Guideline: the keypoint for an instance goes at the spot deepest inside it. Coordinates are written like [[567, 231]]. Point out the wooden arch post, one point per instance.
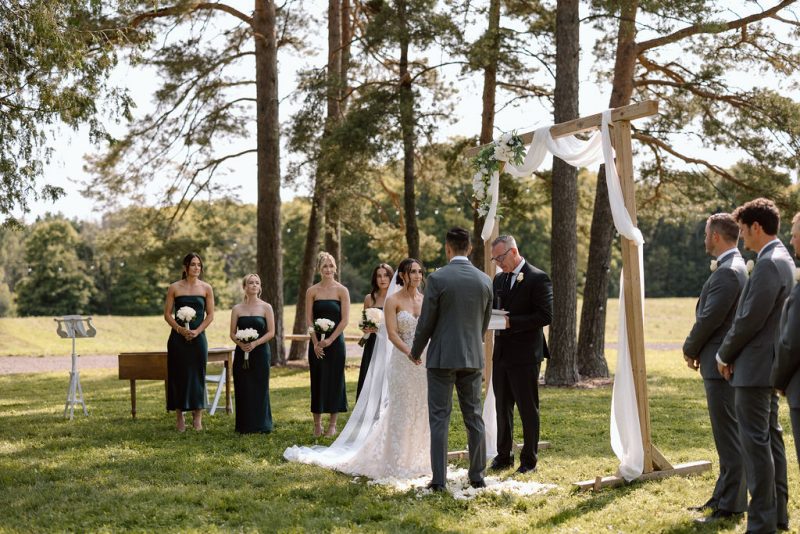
[[655, 464]]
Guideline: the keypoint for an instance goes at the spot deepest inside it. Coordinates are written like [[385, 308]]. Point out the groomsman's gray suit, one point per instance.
[[713, 317], [786, 367], [750, 345], [455, 315]]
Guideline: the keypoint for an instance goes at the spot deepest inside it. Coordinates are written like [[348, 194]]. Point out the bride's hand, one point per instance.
[[413, 360]]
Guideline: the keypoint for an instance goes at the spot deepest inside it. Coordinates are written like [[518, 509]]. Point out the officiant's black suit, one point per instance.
[[518, 354]]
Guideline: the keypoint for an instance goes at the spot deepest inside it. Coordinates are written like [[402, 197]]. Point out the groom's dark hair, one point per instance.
[[459, 240]]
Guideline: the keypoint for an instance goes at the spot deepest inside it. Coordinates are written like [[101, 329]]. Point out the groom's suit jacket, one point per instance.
[[714, 313], [455, 314], [750, 342], [530, 308]]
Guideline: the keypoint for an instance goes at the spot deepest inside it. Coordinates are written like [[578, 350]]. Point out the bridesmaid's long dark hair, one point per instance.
[[374, 280], [187, 260], [405, 268]]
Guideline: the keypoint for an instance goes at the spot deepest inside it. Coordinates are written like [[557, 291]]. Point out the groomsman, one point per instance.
[[713, 317], [526, 293], [786, 367], [745, 359]]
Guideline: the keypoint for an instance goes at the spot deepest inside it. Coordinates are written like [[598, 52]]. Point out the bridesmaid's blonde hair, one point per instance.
[[322, 257], [247, 278]]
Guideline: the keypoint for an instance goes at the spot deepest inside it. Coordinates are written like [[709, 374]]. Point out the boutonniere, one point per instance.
[[520, 277], [714, 265], [796, 274], [750, 266]]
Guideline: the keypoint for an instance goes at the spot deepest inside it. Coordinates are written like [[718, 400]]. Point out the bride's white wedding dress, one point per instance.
[[400, 442], [389, 436]]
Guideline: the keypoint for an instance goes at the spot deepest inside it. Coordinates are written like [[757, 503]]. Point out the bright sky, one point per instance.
[[70, 147]]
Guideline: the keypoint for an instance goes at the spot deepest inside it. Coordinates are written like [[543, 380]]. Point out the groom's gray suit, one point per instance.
[[455, 315]]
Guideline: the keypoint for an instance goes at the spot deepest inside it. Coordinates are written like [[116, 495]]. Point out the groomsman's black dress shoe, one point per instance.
[[435, 487], [477, 483], [708, 505], [522, 469], [718, 515], [498, 465], [784, 527]]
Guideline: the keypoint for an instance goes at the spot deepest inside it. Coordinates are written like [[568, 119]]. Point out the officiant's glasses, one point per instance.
[[499, 259]]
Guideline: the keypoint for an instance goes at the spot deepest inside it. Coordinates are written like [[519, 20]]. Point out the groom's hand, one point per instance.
[[415, 361]]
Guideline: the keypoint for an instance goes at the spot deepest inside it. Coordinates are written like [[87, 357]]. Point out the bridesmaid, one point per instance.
[[253, 412], [187, 348], [381, 278], [330, 300]]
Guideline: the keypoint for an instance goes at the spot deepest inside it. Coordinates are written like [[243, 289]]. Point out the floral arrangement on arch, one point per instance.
[[509, 148]]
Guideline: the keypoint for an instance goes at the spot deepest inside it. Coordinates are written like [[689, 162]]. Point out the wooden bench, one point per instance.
[[135, 366]]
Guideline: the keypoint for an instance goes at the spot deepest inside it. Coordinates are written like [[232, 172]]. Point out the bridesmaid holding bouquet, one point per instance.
[[189, 309], [252, 327], [381, 278], [328, 305]]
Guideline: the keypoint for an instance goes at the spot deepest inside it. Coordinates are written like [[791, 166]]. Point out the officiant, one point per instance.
[[526, 294]]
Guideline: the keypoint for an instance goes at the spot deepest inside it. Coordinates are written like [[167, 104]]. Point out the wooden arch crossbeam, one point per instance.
[[655, 464]]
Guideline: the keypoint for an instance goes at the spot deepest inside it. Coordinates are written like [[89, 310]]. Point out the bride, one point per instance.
[[387, 435]]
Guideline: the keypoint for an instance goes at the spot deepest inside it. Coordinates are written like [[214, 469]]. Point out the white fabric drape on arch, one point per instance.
[[626, 439]]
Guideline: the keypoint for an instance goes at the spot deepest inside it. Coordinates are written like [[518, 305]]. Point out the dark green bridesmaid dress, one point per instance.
[[366, 358], [186, 361], [253, 412], [328, 394]]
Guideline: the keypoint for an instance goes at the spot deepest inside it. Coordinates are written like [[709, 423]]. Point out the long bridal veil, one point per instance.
[[371, 404]]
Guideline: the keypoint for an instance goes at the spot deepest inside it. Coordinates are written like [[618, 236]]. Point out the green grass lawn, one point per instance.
[[666, 321], [109, 473]]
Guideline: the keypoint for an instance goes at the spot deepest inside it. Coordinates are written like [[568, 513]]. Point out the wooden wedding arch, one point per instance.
[[655, 464]]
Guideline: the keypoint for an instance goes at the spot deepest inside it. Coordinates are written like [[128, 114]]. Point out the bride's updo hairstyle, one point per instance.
[[405, 268], [322, 257]]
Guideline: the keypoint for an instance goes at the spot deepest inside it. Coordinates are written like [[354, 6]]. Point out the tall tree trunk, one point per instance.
[[268, 211], [487, 118], [315, 221], [406, 100], [333, 237], [591, 345], [562, 368]]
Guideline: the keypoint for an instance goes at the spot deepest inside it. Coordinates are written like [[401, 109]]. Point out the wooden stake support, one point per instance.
[[656, 466]]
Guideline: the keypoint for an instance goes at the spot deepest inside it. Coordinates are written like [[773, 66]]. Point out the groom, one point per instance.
[[455, 315]]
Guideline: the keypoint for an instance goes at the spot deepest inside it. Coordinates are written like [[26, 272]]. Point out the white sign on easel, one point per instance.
[[72, 326]]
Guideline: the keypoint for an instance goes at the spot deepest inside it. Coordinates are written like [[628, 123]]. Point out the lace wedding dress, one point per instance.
[[391, 441]]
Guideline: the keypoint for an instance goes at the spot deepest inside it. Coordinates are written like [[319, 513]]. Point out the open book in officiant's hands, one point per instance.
[[498, 320]]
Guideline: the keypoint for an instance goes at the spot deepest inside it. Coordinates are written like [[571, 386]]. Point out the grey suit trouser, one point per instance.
[[440, 403], [730, 491], [761, 437]]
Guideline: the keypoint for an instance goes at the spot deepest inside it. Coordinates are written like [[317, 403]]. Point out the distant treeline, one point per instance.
[[123, 264]]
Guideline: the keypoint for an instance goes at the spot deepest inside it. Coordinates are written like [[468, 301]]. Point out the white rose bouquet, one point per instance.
[[321, 327], [246, 336], [370, 318], [186, 315]]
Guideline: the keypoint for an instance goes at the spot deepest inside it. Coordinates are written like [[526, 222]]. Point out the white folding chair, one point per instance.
[[219, 380]]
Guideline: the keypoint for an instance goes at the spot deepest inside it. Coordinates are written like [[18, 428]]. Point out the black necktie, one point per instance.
[[507, 283]]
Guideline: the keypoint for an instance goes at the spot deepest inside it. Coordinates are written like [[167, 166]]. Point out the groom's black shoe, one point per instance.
[[435, 487], [498, 464], [477, 483], [522, 469]]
